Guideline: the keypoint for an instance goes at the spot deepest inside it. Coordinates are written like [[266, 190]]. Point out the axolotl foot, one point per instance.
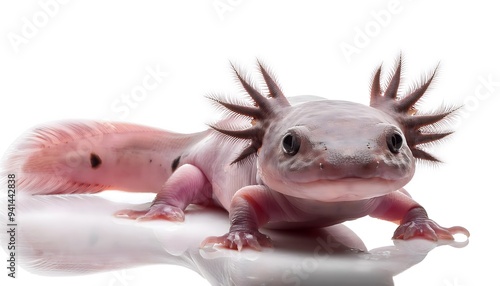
[[427, 229], [417, 225], [158, 211], [239, 240]]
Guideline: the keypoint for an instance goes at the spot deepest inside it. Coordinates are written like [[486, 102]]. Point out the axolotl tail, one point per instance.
[[89, 156]]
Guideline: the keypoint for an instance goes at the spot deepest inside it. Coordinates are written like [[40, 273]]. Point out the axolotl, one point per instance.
[[269, 163]]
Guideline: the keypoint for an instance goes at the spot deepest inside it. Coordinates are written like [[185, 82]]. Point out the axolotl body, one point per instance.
[[269, 163]]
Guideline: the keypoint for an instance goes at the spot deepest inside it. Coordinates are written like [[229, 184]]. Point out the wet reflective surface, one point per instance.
[[74, 235]]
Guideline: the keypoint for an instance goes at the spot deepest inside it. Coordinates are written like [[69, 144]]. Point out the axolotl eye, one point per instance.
[[394, 142], [290, 144]]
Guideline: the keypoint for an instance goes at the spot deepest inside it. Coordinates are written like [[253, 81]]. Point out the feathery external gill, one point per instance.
[[264, 110], [403, 110]]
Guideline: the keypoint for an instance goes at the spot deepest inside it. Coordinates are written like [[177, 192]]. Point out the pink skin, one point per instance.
[[188, 185], [309, 165]]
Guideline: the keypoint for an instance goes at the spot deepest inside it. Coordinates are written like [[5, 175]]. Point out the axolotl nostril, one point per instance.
[[269, 163]]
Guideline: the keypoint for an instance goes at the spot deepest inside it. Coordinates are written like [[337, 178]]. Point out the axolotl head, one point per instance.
[[335, 151], [331, 150]]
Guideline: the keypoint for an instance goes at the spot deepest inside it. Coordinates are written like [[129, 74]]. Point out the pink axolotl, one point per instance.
[[269, 163]]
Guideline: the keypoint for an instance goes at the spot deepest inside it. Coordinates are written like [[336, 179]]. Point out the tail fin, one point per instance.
[[88, 157]]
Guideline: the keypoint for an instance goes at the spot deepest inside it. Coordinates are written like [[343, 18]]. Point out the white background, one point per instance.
[[81, 56]]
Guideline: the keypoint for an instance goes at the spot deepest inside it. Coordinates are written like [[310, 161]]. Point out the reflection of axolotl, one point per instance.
[[270, 164]]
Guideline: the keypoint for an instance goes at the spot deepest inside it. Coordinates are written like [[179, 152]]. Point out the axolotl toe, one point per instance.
[[269, 163]]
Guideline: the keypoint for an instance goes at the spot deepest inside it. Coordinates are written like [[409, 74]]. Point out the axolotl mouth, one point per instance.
[[347, 182], [337, 190]]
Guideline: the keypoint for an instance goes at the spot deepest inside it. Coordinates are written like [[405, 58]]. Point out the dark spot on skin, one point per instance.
[[175, 163], [95, 160], [324, 146], [150, 160]]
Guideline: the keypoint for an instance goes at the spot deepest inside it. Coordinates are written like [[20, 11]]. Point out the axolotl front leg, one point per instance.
[[251, 208], [412, 218]]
